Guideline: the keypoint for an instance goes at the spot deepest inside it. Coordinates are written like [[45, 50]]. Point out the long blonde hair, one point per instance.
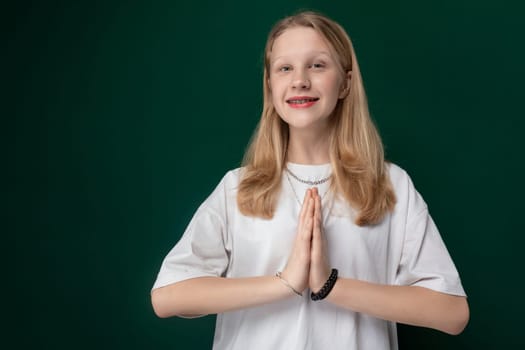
[[356, 150]]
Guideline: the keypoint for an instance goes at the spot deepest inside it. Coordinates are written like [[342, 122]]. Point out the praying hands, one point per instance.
[[308, 262]]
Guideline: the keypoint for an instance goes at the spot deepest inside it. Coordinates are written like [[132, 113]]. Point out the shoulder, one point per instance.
[[224, 194], [230, 181], [401, 181], [397, 174], [407, 195]]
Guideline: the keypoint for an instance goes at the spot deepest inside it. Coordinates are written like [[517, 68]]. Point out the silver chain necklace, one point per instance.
[[308, 182], [295, 193]]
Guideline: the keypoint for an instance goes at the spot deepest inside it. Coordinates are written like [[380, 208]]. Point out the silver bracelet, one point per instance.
[[285, 282]]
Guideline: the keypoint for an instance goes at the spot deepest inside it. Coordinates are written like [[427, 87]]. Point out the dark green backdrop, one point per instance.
[[121, 118]]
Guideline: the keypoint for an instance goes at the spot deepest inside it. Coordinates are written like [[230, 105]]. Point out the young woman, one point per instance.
[[316, 242]]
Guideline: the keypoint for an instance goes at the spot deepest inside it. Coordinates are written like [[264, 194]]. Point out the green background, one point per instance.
[[121, 117]]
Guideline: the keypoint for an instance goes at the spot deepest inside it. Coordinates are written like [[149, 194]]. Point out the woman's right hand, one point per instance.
[[297, 269]]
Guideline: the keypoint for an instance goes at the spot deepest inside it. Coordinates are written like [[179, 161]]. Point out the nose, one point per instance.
[[300, 81]]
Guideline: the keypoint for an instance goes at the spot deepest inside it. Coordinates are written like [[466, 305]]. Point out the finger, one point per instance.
[[311, 208], [305, 233], [307, 195], [318, 238], [316, 230], [305, 225], [309, 219], [318, 210]]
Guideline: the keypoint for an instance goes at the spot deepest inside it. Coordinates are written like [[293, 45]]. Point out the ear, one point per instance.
[[345, 86]]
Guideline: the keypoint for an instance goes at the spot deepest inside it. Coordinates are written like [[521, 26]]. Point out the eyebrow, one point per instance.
[[313, 53]]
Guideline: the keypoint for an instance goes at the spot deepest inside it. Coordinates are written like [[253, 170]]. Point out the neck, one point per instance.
[[308, 148]]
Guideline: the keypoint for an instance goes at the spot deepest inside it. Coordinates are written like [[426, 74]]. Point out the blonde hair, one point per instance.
[[356, 150]]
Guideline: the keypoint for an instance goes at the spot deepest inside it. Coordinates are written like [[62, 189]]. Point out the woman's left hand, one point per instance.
[[319, 267]]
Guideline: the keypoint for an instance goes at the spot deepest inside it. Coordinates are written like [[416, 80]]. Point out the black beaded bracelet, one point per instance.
[[327, 288]]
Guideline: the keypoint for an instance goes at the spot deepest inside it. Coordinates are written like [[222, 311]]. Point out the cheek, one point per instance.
[[276, 96], [274, 85], [277, 105], [334, 88], [276, 91]]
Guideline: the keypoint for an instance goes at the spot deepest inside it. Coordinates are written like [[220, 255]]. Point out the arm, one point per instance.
[[210, 295], [411, 305], [206, 295]]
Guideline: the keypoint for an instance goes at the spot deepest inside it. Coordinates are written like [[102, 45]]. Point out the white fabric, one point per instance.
[[404, 249]]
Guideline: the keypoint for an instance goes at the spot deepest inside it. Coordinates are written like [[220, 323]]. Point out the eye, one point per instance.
[[285, 69], [317, 65]]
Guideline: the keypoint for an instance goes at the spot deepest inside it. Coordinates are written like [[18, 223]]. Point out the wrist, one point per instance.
[[284, 282], [326, 288]]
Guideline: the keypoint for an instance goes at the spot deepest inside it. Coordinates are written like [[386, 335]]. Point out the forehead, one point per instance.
[[299, 41]]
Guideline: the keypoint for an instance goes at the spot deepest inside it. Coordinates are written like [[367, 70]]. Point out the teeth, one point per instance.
[[303, 101]]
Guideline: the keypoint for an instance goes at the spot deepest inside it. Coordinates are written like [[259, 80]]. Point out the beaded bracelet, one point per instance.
[[327, 287]]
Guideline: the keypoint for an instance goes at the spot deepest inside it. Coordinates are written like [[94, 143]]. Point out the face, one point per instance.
[[305, 79]]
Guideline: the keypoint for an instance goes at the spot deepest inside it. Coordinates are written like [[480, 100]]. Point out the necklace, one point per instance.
[[295, 193], [308, 182]]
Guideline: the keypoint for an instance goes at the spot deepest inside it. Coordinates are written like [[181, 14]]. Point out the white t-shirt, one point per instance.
[[404, 249]]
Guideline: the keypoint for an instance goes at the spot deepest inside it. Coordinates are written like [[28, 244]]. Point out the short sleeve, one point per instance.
[[201, 251], [425, 260]]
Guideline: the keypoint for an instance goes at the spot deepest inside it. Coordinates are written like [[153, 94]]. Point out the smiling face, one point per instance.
[[305, 78]]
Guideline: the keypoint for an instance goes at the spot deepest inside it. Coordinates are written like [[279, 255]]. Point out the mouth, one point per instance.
[[302, 100]]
